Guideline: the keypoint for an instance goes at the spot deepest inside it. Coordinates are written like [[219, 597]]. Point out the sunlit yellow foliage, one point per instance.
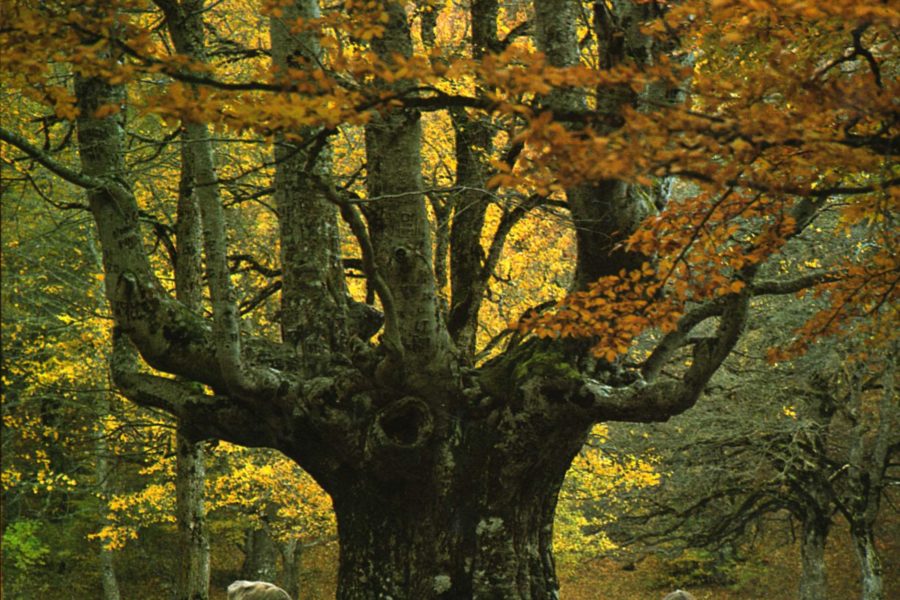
[[260, 485], [590, 497]]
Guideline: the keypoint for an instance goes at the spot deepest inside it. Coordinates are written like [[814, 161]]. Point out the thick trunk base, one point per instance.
[[456, 553], [476, 523]]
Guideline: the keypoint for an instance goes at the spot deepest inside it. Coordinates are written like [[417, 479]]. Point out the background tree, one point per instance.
[[768, 441], [444, 472], [57, 398]]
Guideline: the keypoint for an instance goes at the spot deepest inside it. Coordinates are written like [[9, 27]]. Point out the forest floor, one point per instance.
[[770, 573]]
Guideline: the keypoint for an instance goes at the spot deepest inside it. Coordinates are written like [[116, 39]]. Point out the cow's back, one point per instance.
[[679, 595], [256, 590]]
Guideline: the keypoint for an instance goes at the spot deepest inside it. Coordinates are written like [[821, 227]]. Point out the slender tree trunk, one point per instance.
[[606, 211], [261, 556], [108, 576], [398, 225], [869, 560], [290, 576], [473, 146], [313, 276], [813, 584], [190, 469], [107, 565], [102, 469], [876, 435], [190, 477]]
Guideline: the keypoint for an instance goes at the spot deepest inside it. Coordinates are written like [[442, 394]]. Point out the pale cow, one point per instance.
[[256, 590], [680, 595]]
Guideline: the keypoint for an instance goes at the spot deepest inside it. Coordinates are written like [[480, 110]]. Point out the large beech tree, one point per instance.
[[444, 469]]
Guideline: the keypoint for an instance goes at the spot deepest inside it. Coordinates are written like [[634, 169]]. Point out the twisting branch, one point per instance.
[[662, 399], [260, 297], [792, 286], [351, 215], [679, 338], [169, 395], [507, 222], [185, 400], [676, 339], [252, 265], [638, 402], [803, 213], [857, 50], [51, 164]]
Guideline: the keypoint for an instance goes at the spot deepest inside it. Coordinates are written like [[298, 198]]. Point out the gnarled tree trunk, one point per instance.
[[470, 517]]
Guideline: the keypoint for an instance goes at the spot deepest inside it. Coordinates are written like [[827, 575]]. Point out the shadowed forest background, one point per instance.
[[587, 297]]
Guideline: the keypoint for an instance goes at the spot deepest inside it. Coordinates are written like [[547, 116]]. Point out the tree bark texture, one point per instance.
[[290, 551], [470, 517], [813, 582], [190, 468], [312, 273], [190, 516], [869, 559], [260, 556], [469, 269], [444, 474], [103, 471], [876, 437], [398, 221], [605, 212]]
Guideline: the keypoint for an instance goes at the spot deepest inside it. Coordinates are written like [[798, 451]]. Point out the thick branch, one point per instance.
[[679, 338], [169, 395], [313, 297], [676, 339], [473, 147], [639, 402], [398, 223], [203, 415], [660, 400], [170, 337], [779, 287], [480, 283], [186, 28], [467, 277]]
